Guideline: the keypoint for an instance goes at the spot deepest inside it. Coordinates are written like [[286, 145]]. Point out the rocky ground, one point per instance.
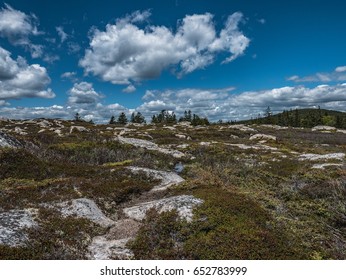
[[74, 190]]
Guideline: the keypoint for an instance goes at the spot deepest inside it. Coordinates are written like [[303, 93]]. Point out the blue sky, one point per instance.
[[221, 59]]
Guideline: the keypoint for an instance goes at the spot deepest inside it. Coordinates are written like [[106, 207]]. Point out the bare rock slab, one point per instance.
[[242, 127], [103, 249], [315, 157], [13, 224], [323, 165], [150, 146], [84, 208], [323, 128], [168, 179], [263, 137], [113, 244], [8, 141], [184, 204]]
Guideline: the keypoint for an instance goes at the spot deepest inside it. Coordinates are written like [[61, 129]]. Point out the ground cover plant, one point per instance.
[[64, 188]]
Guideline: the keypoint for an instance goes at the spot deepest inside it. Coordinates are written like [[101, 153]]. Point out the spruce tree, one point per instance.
[[138, 118], [122, 119], [132, 120], [112, 120], [77, 117]]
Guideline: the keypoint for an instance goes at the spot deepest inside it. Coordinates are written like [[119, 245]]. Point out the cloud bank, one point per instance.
[[215, 104], [339, 74]]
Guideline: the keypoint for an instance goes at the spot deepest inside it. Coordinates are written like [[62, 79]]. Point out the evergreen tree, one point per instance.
[[319, 116], [280, 120], [187, 116], [132, 119], [138, 118], [268, 112], [296, 122], [122, 119], [154, 119], [206, 121], [77, 117], [268, 115], [112, 120], [164, 117], [197, 120], [338, 121]]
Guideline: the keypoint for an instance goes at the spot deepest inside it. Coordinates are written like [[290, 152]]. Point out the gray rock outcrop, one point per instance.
[[150, 146], [184, 204], [13, 224], [8, 141], [168, 179]]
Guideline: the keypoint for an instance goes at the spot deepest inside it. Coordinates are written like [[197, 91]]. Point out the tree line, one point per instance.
[[164, 117], [302, 118], [294, 118]]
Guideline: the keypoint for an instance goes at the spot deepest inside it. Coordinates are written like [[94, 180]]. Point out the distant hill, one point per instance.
[[302, 118]]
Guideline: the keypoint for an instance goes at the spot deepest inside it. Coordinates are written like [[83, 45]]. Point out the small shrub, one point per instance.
[[160, 237]]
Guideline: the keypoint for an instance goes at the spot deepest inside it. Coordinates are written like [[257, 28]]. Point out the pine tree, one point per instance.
[[154, 119], [112, 120], [122, 119], [138, 118], [77, 117], [338, 121], [296, 118], [268, 115], [132, 119], [164, 117]]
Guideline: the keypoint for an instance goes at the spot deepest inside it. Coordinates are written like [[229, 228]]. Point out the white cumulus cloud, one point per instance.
[[83, 93], [15, 24], [129, 89], [17, 27], [19, 79], [124, 52], [340, 69]]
